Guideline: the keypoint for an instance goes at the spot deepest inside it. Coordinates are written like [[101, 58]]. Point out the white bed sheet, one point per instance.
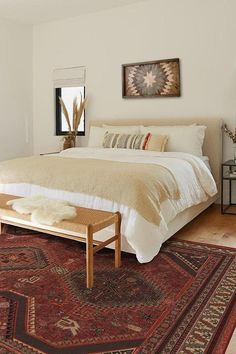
[[194, 180], [206, 161]]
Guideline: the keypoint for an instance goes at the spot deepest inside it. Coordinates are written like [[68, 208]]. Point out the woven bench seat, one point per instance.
[[81, 228]]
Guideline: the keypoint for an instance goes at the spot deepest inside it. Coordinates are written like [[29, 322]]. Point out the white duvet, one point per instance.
[[194, 180]]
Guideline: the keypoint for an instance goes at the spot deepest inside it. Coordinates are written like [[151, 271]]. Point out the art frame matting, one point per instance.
[[151, 79]]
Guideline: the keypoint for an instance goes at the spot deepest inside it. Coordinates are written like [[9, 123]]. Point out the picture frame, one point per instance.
[[151, 79]]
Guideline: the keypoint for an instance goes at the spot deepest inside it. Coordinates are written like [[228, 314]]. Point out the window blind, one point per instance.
[[69, 77]]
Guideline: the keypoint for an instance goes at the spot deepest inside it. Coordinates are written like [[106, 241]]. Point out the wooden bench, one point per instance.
[[87, 222]]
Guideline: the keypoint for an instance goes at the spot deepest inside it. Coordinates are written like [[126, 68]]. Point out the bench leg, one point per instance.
[[2, 228], [89, 257], [118, 242]]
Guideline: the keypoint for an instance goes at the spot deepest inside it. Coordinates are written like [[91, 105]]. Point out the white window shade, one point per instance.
[[69, 77]]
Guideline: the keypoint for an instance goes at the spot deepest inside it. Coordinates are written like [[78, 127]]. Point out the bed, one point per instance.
[[140, 234]]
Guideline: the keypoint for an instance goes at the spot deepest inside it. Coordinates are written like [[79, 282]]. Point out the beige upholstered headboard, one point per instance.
[[212, 146]]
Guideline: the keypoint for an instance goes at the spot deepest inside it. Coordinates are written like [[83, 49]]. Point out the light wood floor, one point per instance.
[[212, 227]]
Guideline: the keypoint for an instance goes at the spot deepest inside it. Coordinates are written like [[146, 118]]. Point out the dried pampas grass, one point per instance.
[[65, 112], [77, 114], [230, 133]]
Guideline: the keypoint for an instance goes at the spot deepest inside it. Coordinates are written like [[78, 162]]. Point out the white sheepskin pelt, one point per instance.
[[43, 210]]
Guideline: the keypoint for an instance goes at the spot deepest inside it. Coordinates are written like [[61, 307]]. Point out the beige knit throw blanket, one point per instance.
[[137, 185]]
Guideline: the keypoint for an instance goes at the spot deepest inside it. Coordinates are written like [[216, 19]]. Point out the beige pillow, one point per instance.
[[156, 142]]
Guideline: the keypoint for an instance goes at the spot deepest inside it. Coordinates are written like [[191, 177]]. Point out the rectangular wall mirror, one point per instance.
[[68, 94]]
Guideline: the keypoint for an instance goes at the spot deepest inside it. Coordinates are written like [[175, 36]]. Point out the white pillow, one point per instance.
[[126, 129], [181, 138], [96, 134]]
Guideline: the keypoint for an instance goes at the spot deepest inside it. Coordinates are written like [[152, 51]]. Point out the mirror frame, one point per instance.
[[59, 131]]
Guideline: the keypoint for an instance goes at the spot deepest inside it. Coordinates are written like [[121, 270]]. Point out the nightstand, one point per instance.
[[228, 173]]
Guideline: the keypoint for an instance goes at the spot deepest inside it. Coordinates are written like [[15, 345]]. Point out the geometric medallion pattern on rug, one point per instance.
[[122, 288], [181, 302], [22, 258]]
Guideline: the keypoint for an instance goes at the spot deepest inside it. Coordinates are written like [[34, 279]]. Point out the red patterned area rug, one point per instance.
[[181, 302]]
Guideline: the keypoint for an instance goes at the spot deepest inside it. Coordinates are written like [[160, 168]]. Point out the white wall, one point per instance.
[[200, 33], [15, 90]]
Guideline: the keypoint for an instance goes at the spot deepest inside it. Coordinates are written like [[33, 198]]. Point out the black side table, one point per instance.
[[228, 173]]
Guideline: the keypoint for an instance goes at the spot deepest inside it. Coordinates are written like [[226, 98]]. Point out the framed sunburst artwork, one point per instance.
[[160, 78]]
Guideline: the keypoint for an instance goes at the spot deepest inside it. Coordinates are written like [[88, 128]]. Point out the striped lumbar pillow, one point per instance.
[[125, 141]]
